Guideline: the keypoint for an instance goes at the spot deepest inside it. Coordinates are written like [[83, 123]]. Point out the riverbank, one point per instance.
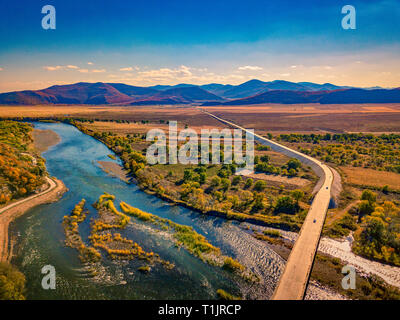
[[341, 249], [54, 191]]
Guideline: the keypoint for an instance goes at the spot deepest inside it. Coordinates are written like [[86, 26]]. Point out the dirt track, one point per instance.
[[12, 211]]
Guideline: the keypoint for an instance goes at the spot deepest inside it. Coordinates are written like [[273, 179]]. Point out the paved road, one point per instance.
[[293, 282], [7, 215]]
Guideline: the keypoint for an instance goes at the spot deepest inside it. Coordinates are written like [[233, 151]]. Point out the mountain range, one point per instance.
[[250, 92]]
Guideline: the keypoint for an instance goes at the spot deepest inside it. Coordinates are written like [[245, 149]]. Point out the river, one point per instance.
[[40, 238]]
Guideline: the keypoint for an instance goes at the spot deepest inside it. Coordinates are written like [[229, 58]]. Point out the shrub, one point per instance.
[[215, 181], [223, 295], [232, 265], [293, 164], [260, 185], [249, 183], [236, 180], [12, 283], [385, 189], [369, 196], [272, 233], [286, 204], [226, 183]]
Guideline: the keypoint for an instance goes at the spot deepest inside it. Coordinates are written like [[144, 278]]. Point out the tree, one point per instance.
[[365, 208], [286, 204], [264, 158], [369, 196], [226, 183], [215, 181], [12, 283], [249, 183], [236, 180], [260, 185], [202, 178], [297, 195], [218, 195], [258, 202], [187, 175], [293, 164]]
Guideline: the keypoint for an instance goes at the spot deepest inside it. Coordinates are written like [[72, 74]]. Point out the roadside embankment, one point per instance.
[[12, 211]]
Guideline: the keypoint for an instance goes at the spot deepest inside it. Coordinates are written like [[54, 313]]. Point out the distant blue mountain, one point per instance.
[[250, 92], [340, 96]]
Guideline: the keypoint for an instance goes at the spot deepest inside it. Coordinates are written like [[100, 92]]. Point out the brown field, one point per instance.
[[369, 177], [278, 180], [186, 115], [142, 128], [276, 118]]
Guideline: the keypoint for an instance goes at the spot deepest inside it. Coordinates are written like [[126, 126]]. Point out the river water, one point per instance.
[[40, 238]]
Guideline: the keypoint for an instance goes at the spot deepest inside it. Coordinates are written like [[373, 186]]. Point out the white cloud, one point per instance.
[[99, 70], [167, 73], [285, 74], [83, 70], [90, 63], [126, 69], [1, 69], [251, 68], [53, 68]]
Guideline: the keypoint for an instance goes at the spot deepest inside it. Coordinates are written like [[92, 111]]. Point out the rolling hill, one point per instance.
[[107, 93], [179, 95], [254, 87], [250, 92], [79, 93], [341, 96]]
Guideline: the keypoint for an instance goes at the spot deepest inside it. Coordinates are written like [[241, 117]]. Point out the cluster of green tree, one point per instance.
[[288, 204], [291, 168], [20, 175], [381, 152], [379, 238], [207, 188], [12, 283], [262, 147]]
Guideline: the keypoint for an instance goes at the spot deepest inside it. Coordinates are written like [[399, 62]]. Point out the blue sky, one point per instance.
[[151, 42]]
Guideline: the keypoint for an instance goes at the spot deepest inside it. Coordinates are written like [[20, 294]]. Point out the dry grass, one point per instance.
[[314, 117], [280, 180], [369, 177], [185, 115], [263, 118]]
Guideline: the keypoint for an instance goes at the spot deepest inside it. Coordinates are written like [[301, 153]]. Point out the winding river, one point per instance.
[[39, 238]]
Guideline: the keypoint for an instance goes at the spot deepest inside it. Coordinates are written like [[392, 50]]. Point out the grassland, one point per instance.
[[369, 177], [308, 118]]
